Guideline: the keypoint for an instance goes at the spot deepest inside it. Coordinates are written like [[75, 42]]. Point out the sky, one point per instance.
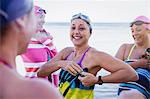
[[97, 10]]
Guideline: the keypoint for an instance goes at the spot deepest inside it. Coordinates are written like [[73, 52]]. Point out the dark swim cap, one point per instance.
[[10, 10]]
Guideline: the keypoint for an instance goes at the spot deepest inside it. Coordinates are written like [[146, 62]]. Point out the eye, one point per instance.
[[81, 28], [132, 30], [73, 28], [138, 30]]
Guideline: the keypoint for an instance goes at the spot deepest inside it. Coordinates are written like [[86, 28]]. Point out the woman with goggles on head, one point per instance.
[[40, 49], [137, 55], [17, 26], [75, 61]]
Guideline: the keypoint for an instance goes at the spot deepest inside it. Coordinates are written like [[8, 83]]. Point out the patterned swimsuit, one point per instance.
[[143, 84], [71, 88]]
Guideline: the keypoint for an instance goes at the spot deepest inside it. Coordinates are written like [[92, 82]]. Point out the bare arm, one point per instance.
[[136, 63], [59, 62], [120, 71], [121, 52]]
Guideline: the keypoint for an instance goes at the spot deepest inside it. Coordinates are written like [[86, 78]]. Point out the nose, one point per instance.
[[76, 31], [134, 32]]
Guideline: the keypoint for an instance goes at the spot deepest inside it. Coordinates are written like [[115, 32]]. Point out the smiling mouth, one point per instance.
[[77, 37], [136, 37]]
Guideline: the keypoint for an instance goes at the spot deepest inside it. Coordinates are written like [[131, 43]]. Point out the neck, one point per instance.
[[8, 49], [80, 49], [7, 57]]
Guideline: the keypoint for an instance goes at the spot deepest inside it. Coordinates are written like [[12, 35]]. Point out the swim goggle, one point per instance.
[[81, 16], [138, 23], [4, 14], [41, 11]]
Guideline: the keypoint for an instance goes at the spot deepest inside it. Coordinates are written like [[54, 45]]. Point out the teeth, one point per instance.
[[77, 37]]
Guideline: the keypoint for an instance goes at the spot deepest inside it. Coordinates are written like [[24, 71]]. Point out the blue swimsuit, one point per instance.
[[142, 85]]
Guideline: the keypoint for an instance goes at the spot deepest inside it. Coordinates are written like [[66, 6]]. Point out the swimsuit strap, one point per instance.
[[68, 55], [131, 50], [5, 63], [80, 62]]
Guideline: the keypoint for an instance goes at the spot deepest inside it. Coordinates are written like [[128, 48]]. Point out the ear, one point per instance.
[[21, 22]]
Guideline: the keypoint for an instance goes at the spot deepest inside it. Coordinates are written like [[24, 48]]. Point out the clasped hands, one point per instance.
[[86, 78]]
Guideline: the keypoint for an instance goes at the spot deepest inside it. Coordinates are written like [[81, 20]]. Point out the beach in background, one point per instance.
[[106, 37]]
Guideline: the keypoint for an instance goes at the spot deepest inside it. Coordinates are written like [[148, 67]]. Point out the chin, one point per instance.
[[77, 44], [22, 49]]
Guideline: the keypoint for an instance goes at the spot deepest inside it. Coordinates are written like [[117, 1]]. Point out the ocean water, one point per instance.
[[106, 37]]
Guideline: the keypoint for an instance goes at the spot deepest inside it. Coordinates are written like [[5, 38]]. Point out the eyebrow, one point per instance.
[[79, 24]]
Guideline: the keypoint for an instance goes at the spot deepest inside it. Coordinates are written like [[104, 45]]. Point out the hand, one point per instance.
[[88, 79], [72, 67], [142, 62]]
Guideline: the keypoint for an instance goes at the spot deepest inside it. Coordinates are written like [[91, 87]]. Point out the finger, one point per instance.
[[67, 68], [80, 78], [72, 70], [84, 73], [64, 68], [86, 84], [77, 67]]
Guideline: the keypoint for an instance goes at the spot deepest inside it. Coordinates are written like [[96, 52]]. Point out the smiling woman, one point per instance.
[[75, 61], [136, 55]]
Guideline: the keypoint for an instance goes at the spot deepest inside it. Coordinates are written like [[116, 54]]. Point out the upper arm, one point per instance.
[[121, 52], [53, 65], [62, 54], [110, 63]]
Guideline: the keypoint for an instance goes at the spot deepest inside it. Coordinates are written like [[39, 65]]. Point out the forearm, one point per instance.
[[49, 68], [120, 76]]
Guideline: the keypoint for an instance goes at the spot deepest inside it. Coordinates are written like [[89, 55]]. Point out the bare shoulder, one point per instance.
[[123, 48], [100, 56], [126, 45], [95, 52], [42, 88], [66, 51]]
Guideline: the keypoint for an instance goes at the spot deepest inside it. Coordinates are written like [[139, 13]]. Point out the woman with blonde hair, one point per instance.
[[137, 55]]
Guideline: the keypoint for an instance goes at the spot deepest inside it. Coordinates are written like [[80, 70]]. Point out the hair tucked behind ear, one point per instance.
[[3, 31]]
